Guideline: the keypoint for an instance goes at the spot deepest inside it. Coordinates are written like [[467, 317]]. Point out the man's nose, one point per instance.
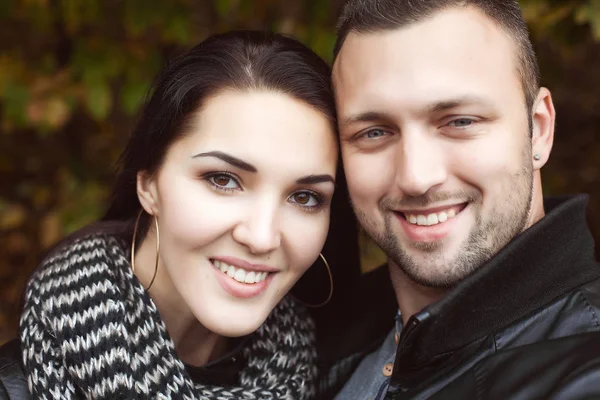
[[420, 163]]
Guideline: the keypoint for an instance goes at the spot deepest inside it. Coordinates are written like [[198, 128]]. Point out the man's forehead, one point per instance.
[[452, 49], [456, 28]]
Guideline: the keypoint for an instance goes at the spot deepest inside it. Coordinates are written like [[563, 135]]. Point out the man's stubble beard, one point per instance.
[[507, 220]]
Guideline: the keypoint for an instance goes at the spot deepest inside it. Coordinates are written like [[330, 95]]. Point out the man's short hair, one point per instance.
[[371, 16]]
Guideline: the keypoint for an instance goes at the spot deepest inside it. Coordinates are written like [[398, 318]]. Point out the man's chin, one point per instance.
[[431, 276], [423, 248], [430, 264]]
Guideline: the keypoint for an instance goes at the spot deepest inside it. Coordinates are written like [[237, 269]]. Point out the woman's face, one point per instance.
[[242, 202]]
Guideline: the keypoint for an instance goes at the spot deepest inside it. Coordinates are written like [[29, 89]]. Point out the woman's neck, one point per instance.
[[194, 343]]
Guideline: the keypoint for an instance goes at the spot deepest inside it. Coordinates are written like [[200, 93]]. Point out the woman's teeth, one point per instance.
[[239, 274], [431, 219]]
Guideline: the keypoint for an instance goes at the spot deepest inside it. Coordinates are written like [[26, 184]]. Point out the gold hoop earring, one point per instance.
[[135, 229], [330, 287]]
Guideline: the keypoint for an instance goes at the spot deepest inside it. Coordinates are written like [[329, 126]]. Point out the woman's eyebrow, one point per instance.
[[236, 162], [228, 158]]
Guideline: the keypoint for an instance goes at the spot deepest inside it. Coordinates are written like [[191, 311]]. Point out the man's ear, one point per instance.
[[543, 119], [147, 192]]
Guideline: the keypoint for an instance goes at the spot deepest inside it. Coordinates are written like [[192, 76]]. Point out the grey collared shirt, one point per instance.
[[371, 379]]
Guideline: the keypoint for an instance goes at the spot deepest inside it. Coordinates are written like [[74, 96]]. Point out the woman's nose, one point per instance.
[[259, 228]]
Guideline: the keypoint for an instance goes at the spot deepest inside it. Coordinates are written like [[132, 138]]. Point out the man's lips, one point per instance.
[[431, 216], [430, 224]]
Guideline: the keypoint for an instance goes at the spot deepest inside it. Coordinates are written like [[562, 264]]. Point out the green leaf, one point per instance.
[[16, 98], [590, 14], [178, 30], [6, 6], [83, 201], [98, 100], [132, 96], [77, 13], [137, 18], [97, 60], [323, 43], [224, 7]]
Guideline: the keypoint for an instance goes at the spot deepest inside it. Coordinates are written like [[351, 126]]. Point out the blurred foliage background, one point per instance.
[[73, 74]]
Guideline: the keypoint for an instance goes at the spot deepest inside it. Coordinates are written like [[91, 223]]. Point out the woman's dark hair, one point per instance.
[[239, 60]]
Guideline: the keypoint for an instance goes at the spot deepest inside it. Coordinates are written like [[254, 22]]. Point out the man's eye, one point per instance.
[[461, 122], [375, 133]]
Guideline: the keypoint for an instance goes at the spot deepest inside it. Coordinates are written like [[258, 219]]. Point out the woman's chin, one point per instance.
[[241, 322]]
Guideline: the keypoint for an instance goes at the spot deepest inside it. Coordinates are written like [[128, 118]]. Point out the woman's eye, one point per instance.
[[223, 181], [461, 122], [305, 199], [375, 133]]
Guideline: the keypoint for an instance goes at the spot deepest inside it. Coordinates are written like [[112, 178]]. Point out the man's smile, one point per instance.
[[431, 216], [429, 224]]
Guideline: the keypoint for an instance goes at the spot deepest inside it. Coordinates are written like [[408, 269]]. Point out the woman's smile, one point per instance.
[[241, 278]]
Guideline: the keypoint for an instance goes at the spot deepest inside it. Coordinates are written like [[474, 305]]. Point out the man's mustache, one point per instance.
[[429, 199]]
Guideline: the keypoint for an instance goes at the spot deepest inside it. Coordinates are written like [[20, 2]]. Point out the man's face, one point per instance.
[[436, 142]]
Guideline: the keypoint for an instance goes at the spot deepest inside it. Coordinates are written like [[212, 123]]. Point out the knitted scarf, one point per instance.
[[90, 330]]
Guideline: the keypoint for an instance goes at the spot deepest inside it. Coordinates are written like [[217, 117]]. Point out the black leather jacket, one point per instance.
[[12, 381], [526, 325]]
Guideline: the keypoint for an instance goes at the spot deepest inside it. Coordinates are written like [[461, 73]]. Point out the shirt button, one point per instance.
[[396, 338], [388, 369]]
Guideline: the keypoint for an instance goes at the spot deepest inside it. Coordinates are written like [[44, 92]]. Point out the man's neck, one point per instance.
[[411, 296]]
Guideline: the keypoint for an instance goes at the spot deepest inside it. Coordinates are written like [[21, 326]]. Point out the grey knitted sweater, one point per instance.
[[90, 330]]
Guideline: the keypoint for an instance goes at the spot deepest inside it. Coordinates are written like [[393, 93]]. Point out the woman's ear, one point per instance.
[[147, 192], [543, 119]]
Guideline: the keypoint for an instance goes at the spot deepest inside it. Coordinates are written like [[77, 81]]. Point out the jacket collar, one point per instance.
[[545, 262]]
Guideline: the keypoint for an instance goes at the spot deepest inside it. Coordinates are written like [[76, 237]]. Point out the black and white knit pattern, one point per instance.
[[90, 330]]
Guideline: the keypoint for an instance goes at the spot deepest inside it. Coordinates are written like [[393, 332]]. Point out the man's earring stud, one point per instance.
[[537, 156]]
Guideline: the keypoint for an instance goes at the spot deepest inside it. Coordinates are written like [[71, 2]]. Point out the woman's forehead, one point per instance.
[[265, 128]]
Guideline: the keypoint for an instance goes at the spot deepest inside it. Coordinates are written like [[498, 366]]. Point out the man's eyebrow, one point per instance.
[[449, 104], [438, 106], [228, 158], [313, 179], [369, 116]]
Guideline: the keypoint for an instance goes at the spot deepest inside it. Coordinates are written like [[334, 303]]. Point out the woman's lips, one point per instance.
[[239, 282], [239, 274]]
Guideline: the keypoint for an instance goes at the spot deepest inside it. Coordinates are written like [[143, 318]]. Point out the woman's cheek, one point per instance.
[[192, 213], [306, 235]]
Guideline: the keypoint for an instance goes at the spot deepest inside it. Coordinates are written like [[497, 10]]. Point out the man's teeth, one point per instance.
[[239, 274], [431, 219]]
